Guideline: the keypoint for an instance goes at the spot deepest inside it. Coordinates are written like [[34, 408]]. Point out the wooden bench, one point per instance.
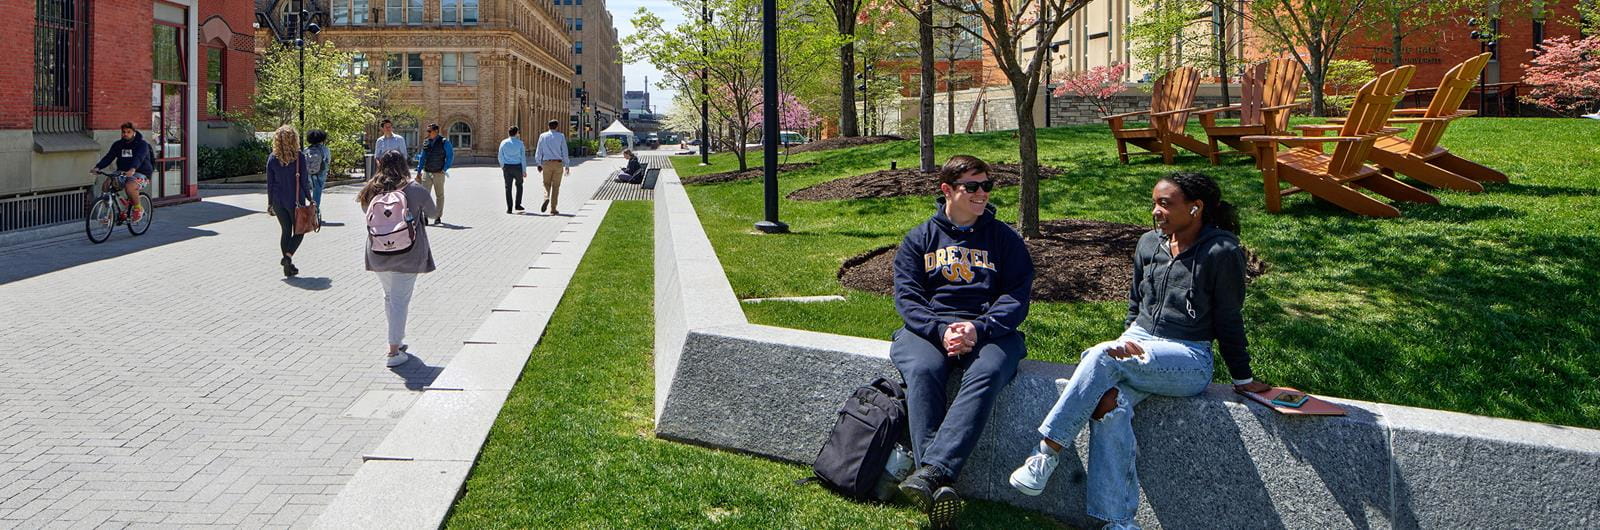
[[1268, 91], [1170, 105]]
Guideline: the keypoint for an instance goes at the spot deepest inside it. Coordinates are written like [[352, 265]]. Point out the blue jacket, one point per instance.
[[422, 151], [129, 154], [281, 182], [945, 274]]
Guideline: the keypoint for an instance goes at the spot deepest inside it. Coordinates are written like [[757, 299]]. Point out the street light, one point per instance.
[[769, 116], [705, 98], [1487, 38], [302, 27]]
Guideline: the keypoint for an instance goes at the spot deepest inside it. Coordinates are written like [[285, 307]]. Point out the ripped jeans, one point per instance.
[[1169, 367]]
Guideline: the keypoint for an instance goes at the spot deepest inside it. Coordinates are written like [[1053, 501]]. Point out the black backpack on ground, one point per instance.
[[871, 423]]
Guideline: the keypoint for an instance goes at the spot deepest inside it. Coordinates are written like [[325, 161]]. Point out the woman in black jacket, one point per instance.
[[288, 187], [1188, 288]]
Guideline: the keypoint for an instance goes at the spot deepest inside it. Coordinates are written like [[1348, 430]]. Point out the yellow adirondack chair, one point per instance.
[[1170, 106], [1421, 157], [1336, 177], [1267, 95]]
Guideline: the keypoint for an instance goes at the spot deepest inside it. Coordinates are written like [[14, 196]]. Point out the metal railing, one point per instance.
[[42, 209], [61, 66]]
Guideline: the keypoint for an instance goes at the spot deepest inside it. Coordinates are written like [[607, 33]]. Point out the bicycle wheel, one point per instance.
[[144, 222], [101, 220]]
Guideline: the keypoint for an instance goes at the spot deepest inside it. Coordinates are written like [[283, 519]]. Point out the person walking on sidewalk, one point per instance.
[[389, 142], [550, 154], [288, 187], [318, 157], [513, 165], [434, 159], [398, 269]]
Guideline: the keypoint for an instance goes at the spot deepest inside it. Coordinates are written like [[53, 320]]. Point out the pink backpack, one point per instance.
[[391, 229]]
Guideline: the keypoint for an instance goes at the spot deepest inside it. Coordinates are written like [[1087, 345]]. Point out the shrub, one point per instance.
[[613, 145], [247, 158], [1344, 79]]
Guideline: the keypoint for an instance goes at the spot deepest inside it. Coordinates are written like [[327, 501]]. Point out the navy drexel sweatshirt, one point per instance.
[[945, 274], [129, 154]]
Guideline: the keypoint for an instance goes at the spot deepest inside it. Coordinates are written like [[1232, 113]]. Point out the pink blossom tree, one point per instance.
[[1098, 85], [792, 114], [1565, 74]]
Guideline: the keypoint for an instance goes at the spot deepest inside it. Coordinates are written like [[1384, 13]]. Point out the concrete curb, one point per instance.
[[1211, 461], [414, 476]]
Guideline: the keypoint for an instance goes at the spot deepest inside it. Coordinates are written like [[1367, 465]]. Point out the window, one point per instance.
[[407, 66], [214, 79], [60, 65], [358, 65], [460, 136], [289, 16], [458, 68], [458, 11], [406, 127], [397, 12], [350, 12], [577, 69], [579, 22], [577, 47]]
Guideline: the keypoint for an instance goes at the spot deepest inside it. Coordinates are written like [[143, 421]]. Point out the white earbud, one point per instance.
[[1193, 210]]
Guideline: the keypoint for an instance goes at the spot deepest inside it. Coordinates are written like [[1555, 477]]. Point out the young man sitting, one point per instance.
[[961, 284]]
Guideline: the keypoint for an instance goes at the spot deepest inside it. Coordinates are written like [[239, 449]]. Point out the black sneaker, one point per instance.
[[543, 205], [920, 486], [946, 507]]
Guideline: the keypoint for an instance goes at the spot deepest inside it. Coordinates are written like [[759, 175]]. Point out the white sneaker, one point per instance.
[[1031, 478], [398, 359]]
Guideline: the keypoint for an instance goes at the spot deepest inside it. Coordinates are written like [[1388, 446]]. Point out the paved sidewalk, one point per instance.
[[177, 378]]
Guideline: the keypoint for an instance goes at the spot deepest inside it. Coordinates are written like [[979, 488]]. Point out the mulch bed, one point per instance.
[[903, 182], [1075, 261], [752, 173], [841, 142]]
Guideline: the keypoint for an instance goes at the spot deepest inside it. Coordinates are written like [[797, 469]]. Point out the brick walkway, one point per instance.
[[176, 378]]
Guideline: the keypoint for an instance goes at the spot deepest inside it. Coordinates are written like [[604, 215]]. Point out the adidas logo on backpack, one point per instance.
[[391, 229]]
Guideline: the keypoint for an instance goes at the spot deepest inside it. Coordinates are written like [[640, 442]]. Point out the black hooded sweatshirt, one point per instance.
[[129, 154], [945, 274], [1196, 295]]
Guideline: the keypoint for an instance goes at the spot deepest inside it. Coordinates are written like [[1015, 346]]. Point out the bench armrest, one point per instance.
[[1234, 106], [1399, 112], [1125, 115], [1299, 140], [1321, 127], [1171, 112], [1280, 107]]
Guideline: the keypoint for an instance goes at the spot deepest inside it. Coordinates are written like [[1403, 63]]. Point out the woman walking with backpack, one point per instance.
[[318, 158], [397, 241], [288, 187]]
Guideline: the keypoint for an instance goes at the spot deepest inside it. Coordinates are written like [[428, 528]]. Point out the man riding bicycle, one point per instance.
[[132, 155]]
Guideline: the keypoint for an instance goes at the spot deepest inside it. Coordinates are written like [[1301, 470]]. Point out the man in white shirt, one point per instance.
[[389, 141], [550, 154]]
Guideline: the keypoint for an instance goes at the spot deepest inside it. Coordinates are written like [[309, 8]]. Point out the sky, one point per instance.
[[622, 15]]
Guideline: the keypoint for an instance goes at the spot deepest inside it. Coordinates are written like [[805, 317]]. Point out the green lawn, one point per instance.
[[573, 447], [1486, 303]]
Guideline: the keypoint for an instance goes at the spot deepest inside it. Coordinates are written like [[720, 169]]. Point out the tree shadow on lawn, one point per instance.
[[1477, 322], [1527, 190]]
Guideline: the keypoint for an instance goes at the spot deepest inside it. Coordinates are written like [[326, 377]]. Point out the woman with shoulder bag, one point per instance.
[[397, 245], [288, 189]]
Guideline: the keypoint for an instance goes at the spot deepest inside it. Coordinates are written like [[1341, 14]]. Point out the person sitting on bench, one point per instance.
[[634, 173], [1187, 290], [961, 284]]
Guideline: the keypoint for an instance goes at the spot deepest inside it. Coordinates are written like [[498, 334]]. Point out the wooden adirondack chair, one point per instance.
[[1421, 157], [1268, 91], [1335, 177], [1170, 105]]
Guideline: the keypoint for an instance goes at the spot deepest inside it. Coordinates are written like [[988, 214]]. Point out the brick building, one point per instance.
[[475, 67], [97, 64], [597, 77]]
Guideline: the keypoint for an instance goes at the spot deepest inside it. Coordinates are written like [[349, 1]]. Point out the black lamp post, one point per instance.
[[769, 115], [1487, 38], [705, 98], [302, 27]]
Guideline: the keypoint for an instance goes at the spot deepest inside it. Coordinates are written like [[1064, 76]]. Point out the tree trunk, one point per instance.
[[847, 91], [950, 98], [925, 116], [1397, 40], [1315, 78], [1028, 150], [1222, 51]]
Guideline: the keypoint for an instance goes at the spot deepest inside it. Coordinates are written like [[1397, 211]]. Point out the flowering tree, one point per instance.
[[1098, 85], [792, 114], [1565, 75]]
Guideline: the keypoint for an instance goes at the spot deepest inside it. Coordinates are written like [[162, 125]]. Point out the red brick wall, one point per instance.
[[119, 85], [16, 81], [1437, 49], [238, 61]]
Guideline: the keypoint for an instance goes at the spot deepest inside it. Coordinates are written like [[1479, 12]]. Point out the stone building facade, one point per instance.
[[596, 71], [475, 67]]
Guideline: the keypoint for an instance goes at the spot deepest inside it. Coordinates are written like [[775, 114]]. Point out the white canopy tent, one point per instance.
[[616, 129]]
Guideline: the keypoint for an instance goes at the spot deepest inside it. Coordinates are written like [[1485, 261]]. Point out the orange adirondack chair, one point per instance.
[[1170, 105], [1268, 91], [1421, 157], [1335, 177]]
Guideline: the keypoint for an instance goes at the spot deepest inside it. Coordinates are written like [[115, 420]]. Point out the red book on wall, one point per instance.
[[1311, 407]]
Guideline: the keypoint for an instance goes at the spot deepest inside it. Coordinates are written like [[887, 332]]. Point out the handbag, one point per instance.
[[305, 217]]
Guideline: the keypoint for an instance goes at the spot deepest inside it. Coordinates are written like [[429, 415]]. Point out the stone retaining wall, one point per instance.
[[1211, 461]]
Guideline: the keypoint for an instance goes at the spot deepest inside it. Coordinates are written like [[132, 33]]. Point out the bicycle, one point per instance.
[[107, 212]]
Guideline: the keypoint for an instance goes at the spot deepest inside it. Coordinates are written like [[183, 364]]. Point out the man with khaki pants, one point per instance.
[[434, 159], [550, 154]]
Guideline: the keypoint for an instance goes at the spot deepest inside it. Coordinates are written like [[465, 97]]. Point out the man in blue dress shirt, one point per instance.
[[512, 165]]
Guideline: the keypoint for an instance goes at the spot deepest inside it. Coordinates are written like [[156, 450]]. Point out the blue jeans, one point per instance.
[[318, 180], [944, 433], [1169, 367]]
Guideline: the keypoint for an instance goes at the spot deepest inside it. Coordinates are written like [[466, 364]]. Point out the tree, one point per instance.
[[336, 100], [845, 13], [1098, 85], [1398, 19], [1565, 74], [957, 46], [1171, 33], [1005, 25], [922, 11], [1311, 31]]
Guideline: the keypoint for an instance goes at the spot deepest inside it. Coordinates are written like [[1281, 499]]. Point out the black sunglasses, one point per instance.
[[972, 185]]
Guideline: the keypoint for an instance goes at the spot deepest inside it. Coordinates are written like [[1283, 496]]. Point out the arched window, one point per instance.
[[289, 16], [460, 135]]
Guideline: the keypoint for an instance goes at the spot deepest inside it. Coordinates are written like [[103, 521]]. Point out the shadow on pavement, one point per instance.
[[417, 373], [311, 283], [171, 225]]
